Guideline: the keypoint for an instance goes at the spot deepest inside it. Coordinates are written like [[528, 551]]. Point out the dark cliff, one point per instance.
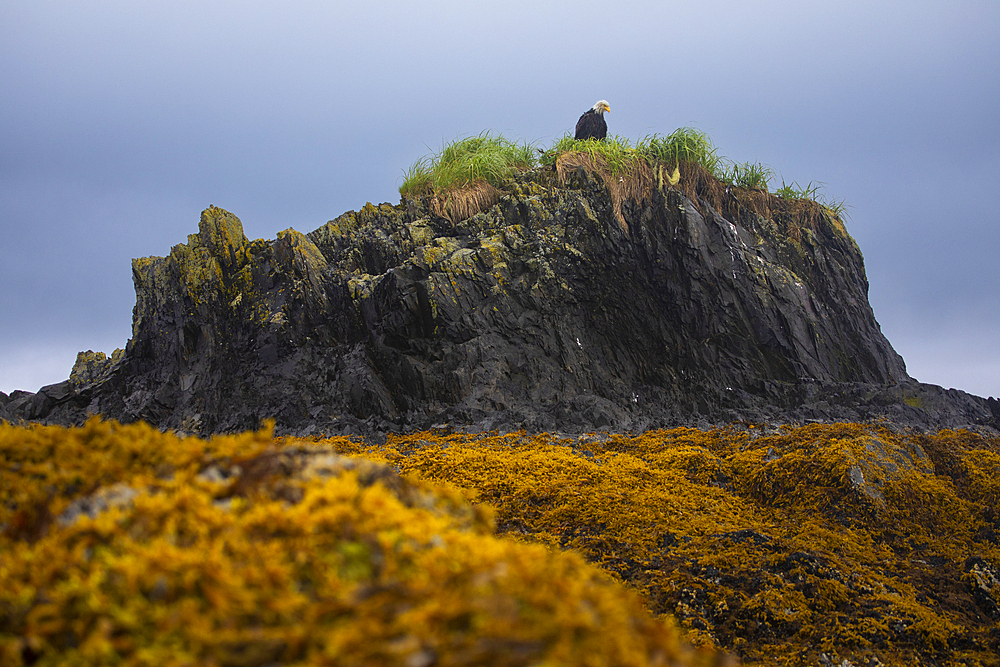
[[546, 311]]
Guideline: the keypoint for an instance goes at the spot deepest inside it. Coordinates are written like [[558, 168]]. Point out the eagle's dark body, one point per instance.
[[592, 124]]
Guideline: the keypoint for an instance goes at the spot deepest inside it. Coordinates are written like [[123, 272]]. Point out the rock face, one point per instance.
[[544, 312]]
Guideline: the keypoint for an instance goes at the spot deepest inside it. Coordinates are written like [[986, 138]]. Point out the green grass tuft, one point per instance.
[[749, 175], [486, 157], [795, 191], [684, 145], [616, 152], [812, 192]]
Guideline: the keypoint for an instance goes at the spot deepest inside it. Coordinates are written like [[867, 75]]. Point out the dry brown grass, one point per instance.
[[697, 183], [634, 181], [760, 202], [464, 202], [796, 215], [637, 181]]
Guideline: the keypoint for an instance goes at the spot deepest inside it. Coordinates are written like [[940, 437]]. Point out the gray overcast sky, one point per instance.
[[121, 121]]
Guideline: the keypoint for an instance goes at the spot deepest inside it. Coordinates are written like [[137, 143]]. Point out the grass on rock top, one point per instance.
[[489, 158], [482, 164]]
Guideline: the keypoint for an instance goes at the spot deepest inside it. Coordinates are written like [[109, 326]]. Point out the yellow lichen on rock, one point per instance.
[[125, 545], [844, 539], [221, 233], [122, 544]]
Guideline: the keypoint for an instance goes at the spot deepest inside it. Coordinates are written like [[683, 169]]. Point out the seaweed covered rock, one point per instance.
[[564, 305], [125, 545], [826, 544]]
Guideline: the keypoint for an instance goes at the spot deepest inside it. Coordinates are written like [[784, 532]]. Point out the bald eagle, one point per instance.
[[591, 124]]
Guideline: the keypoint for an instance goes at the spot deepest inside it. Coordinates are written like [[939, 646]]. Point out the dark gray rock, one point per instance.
[[542, 313], [12, 409]]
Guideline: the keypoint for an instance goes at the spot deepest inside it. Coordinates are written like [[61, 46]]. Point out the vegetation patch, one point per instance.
[[125, 545], [779, 545], [470, 175], [465, 176], [626, 176]]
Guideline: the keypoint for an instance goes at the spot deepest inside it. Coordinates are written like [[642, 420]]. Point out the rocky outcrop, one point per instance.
[[543, 312]]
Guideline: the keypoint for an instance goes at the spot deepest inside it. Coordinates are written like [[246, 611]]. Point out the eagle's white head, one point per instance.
[[601, 107]]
